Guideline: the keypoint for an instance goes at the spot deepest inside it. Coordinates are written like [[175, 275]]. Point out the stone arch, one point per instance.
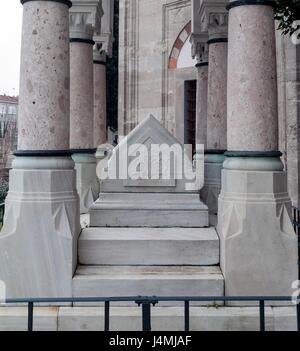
[[178, 45]]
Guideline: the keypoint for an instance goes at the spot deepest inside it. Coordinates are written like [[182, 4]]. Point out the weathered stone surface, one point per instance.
[[82, 95], [15, 318], [86, 181], [212, 181], [99, 104], [166, 319], [288, 61], [252, 83], [45, 77], [149, 246], [145, 54], [258, 242], [148, 281], [148, 210], [38, 243], [217, 97], [165, 171], [285, 318], [201, 105]]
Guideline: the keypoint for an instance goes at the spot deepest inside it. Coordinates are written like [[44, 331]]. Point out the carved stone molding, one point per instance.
[[85, 18], [99, 52], [199, 47], [218, 25], [213, 17], [107, 25]]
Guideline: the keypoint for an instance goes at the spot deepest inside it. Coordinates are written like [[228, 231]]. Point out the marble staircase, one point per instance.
[[131, 261], [148, 236]]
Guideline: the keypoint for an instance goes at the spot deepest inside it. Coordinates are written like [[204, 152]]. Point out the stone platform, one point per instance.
[[148, 281], [163, 319], [149, 246], [149, 210]]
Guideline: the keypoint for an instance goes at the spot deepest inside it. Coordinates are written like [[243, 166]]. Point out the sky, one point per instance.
[[10, 46]]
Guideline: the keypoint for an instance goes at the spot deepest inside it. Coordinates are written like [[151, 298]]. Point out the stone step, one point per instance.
[[148, 281], [149, 246], [172, 319], [149, 210]]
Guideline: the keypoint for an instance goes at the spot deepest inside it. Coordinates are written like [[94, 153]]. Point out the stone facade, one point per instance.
[[288, 69], [152, 33], [8, 133]]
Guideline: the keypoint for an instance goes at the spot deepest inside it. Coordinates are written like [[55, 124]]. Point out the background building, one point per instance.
[[8, 132]]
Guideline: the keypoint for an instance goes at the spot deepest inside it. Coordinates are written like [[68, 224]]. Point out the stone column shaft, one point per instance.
[[100, 113], [82, 94], [82, 108], [216, 110], [217, 95], [258, 243], [44, 101], [38, 243], [200, 52], [201, 105]]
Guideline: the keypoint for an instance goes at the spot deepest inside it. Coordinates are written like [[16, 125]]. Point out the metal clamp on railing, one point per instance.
[[146, 303]]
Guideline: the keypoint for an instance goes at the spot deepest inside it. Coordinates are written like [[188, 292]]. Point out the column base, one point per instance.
[[86, 180], [258, 242], [38, 242], [213, 164]]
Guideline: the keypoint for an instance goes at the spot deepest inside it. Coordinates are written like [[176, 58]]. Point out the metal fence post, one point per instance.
[[146, 310], [262, 317], [106, 316], [186, 316], [146, 313], [30, 316]]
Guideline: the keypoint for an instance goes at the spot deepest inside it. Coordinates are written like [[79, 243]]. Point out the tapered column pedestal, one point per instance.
[[213, 164], [86, 181], [258, 243], [38, 244]]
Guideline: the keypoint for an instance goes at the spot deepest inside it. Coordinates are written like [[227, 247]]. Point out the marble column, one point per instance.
[[200, 52], [100, 114], [38, 243], [201, 103], [216, 111], [82, 109], [258, 243]]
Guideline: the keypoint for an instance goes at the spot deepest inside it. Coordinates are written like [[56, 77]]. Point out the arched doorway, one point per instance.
[[183, 65]]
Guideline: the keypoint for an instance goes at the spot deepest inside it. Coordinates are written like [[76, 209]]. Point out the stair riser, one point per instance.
[[144, 252], [148, 287], [148, 218], [172, 319]]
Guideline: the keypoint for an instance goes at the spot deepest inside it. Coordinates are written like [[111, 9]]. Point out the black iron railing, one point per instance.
[[2, 209], [146, 303], [296, 223]]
